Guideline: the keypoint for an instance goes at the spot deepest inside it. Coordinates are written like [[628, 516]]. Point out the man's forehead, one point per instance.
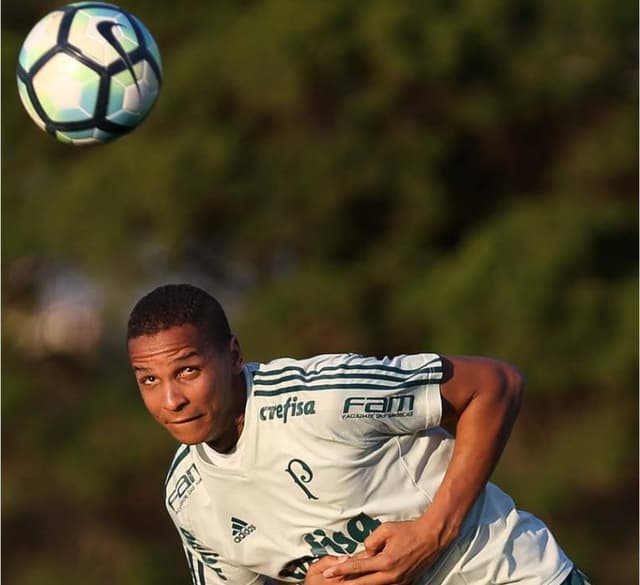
[[147, 362], [173, 342]]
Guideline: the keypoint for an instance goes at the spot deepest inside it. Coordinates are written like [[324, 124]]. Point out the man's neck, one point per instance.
[[228, 443]]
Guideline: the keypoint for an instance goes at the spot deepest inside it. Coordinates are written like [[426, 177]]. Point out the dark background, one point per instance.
[[378, 177]]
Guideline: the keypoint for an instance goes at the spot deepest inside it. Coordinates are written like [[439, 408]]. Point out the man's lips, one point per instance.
[[182, 421]]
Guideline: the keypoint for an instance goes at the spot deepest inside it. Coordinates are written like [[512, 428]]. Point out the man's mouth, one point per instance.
[[182, 421]]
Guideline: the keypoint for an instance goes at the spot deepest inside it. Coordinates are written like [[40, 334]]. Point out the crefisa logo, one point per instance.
[[290, 407], [327, 542], [378, 406]]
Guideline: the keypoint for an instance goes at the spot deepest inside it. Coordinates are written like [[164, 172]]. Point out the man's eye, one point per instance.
[[189, 371], [148, 380]]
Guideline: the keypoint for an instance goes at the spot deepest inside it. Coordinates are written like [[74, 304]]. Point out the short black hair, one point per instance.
[[173, 305]]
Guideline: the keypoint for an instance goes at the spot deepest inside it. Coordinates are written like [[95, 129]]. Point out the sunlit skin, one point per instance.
[[195, 391]]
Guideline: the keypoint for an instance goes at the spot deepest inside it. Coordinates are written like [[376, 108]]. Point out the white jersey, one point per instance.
[[332, 447]]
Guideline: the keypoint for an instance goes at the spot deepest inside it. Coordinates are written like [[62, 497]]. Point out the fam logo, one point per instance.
[[290, 407], [184, 488], [326, 542], [240, 529], [378, 406]]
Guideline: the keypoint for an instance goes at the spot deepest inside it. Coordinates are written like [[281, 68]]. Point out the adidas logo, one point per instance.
[[240, 529]]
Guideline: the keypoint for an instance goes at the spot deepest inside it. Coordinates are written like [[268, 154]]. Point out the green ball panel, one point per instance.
[[43, 36], [84, 34], [66, 89], [102, 136], [83, 137], [125, 118], [130, 103], [26, 102], [63, 138]]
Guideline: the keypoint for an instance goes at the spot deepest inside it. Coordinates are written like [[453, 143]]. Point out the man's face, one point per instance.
[[192, 389]]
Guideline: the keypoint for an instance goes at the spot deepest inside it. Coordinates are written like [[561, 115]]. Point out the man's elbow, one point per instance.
[[512, 386]]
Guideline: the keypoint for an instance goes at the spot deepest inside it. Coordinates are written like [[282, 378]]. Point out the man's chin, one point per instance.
[[189, 434]]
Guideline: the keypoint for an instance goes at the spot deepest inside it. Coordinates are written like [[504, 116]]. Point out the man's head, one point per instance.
[[179, 304], [188, 365]]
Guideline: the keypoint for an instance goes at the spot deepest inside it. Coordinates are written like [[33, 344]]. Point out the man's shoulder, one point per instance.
[[180, 462], [274, 376], [306, 364], [325, 364], [182, 479], [316, 378]]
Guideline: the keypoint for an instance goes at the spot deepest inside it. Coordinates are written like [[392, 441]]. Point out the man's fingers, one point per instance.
[[324, 563], [356, 566], [363, 554], [375, 542], [366, 578]]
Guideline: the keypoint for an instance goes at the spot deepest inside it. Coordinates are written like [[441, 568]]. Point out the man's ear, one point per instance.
[[237, 359]]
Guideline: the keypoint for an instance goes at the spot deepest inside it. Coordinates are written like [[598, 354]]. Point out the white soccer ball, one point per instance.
[[89, 72]]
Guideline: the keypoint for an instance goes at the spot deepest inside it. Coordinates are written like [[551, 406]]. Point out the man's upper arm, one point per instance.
[[466, 377]]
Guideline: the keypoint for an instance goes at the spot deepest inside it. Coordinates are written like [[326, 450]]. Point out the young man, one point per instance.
[[334, 467]]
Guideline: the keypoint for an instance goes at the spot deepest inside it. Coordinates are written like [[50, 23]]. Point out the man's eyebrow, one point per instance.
[[140, 369], [181, 358], [187, 356]]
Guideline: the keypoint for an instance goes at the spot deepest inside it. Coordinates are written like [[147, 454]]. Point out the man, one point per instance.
[[334, 467]]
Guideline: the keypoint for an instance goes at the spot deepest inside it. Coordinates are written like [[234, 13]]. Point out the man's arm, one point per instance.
[[483, 397]]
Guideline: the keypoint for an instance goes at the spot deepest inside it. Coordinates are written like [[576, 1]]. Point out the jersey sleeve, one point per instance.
[[390, 396], [354, 396]]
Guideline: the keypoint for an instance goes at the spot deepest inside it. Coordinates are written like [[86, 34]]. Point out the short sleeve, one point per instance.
[[398, 395], [353, 396]]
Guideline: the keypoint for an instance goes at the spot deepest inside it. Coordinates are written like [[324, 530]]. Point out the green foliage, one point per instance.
[[379, 177]]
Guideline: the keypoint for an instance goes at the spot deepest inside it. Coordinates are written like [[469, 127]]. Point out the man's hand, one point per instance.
[[397, 553], [315, 574]]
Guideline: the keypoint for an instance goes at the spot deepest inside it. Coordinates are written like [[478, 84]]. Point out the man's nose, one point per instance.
[[174, 399]]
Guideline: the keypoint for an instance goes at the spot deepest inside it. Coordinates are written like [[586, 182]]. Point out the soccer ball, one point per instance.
[[89, 72]]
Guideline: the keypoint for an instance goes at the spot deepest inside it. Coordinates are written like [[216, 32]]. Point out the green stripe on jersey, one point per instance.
[[201, 573], [434, 366], [197, 578], [344, 387], [180, 455], [348, 376]]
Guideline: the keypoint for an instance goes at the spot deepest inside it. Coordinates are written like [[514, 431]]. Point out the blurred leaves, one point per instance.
[[376, 177]]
